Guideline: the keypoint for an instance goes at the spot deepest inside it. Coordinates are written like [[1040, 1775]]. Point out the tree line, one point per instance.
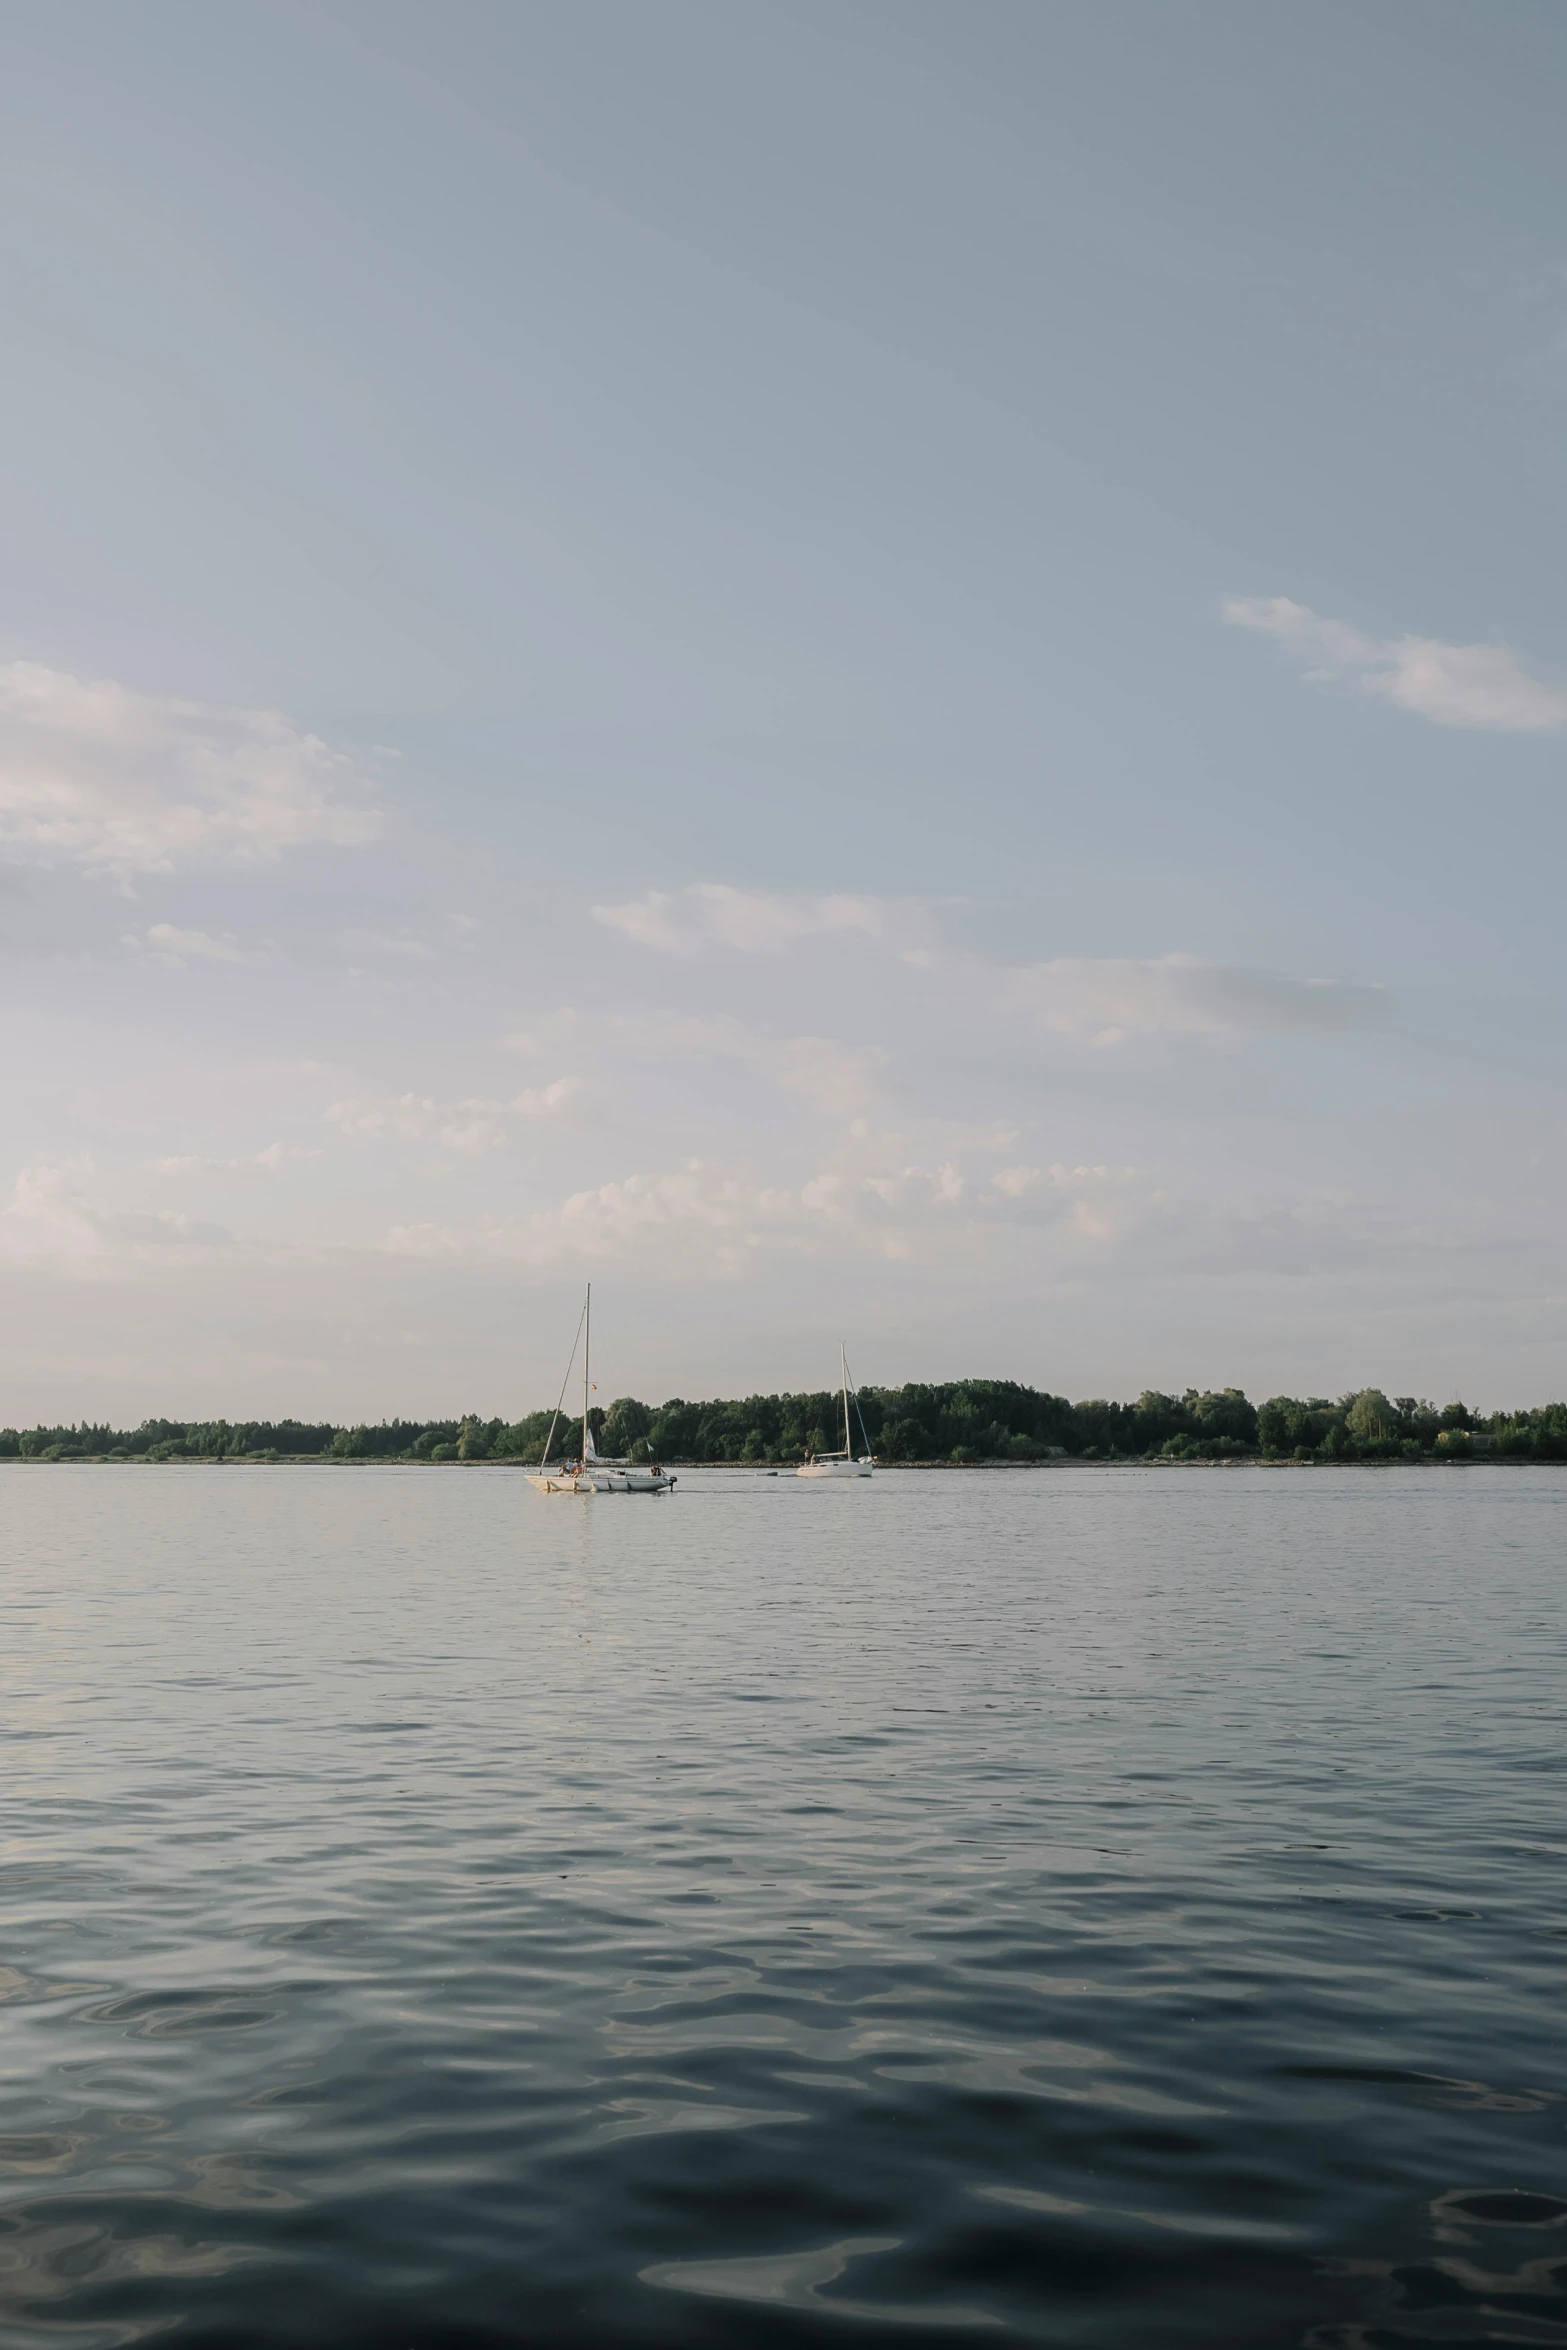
[[963, 1420]]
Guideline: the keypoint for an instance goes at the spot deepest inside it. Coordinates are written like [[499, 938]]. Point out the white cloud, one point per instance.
[[1095, 1204], [1102, 999], [1456, 685], [1316, 1237], [94, 773], [1098, 1203], [551, 1036], [945, 1187], [541, 1101], [1020, 1182], [386, 942], [50, 1221], [164, 1230], [467, 1126], [47, 1222], [268, 1160], [753, 921], [717, 1214], [700, 1036], [1105, 1000], [469, 1134], [840, 1078], [178, 947], [409, 1115], [702, 1218]]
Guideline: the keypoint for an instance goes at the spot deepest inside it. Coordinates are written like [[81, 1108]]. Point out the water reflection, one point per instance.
[[799, 2280], [1453, 2300]]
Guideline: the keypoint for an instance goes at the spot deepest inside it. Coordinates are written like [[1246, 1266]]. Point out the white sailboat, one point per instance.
[[841, 1464], [591, 1474]]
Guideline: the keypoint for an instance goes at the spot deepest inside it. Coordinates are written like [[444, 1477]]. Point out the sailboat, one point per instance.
[[841, 1464], [591, 1474]]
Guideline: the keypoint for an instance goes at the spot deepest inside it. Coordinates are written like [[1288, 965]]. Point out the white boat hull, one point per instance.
[[833, 1469], [592, 1480]]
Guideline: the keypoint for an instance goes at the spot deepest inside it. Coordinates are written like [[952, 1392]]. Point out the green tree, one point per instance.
[[624, 1422], [1371, 1419]]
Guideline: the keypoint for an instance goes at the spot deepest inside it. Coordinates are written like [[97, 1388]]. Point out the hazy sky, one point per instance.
[[867, 669]]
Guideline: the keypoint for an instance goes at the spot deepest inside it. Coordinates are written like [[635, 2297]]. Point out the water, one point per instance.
[[1112, 1908]]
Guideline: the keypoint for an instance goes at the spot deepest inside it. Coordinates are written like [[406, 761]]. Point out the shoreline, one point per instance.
[[314, 1460]]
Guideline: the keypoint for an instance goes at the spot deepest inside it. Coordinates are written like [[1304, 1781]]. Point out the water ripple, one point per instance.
[[1103, 1909]]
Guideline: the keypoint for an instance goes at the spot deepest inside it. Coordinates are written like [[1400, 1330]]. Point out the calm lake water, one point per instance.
[[1116, 1908]]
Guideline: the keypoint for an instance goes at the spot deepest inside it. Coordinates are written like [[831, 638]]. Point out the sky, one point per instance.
[[866, 670]]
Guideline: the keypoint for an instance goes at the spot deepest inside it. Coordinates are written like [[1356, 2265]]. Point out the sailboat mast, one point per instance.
[[587, 1348], [560, 1400], [843, 1363]]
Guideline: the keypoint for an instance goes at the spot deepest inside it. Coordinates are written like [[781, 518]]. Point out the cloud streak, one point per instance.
[[747, 921], [1103, 1000], [269, 1160], [839, 1077], [1106, 1000], [1454, 685]]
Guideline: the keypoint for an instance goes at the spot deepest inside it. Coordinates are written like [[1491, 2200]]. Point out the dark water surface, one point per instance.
[[1111, 1908]]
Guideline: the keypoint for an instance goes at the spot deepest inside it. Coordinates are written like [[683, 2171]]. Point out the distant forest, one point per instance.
[[965, 1420]]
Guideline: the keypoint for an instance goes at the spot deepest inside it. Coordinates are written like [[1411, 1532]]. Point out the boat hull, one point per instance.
[[833, 1469], [591, 1480]]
